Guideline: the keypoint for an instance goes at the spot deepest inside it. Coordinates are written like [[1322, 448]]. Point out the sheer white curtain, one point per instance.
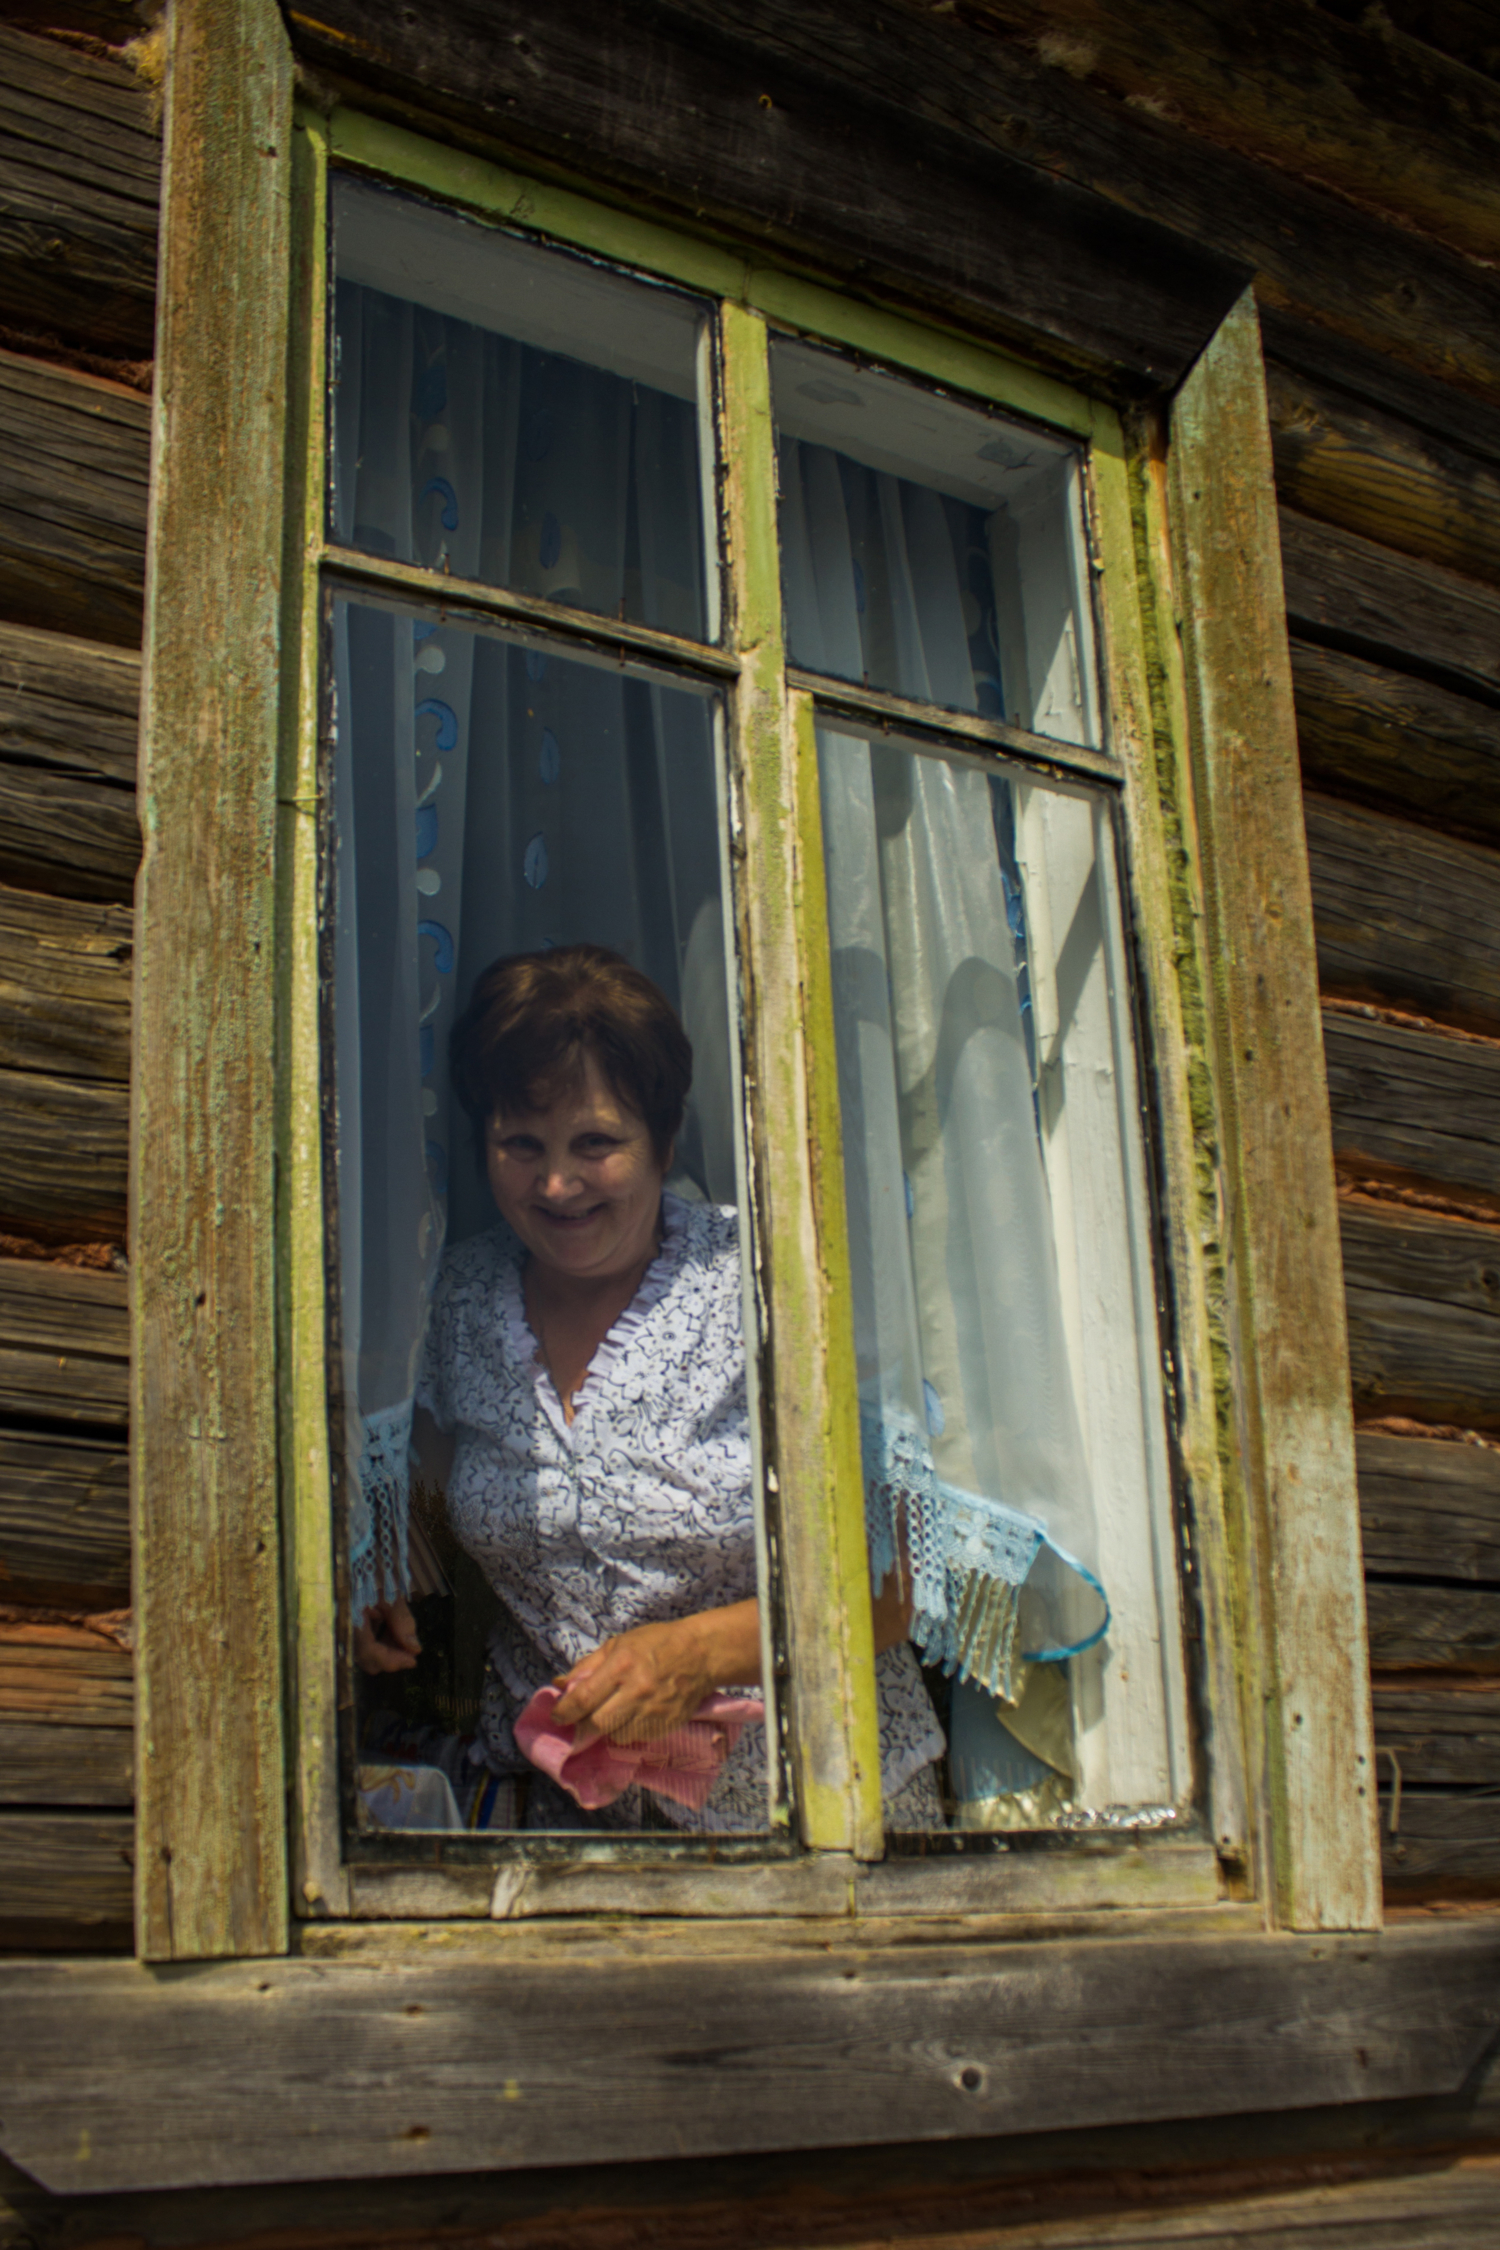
[[491, 798], [971, 1432]]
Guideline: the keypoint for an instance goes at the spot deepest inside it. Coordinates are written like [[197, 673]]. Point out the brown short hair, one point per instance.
[[531, 1019]]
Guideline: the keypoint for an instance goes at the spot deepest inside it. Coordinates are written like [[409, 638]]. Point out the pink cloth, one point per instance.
[[683, 1765]]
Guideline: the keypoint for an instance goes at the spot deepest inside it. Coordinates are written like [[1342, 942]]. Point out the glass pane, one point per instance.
[[493, 799], [518, 416], [1010, 1402], [931, 550]]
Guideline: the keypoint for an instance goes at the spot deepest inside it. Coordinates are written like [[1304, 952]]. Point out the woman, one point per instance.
[[583, 1400]]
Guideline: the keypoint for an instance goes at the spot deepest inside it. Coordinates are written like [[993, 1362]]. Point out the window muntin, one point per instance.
[[960, 532], [521, 418]]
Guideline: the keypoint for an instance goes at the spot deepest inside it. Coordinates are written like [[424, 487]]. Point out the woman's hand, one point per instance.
[[641, 1684], [385, 1639]]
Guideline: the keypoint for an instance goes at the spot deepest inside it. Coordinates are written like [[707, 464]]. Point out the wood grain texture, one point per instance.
[[65, 969], [42, 1764], [1293, 1424], [796, 125], [64, 1343], [1387, 736], [62, 833], [73, 483], [1429, 1506], [1423, 1299], [60, 1869], [1403, 915], [64, 1515], [211, 1771], [1434, 1628], [1373, 472], [830, 2046], [64, 1687], [1390, 607], [1421, 1100], [1440, 1735], [70, 704], [1446, 1843], [63, 1155], [79, 166]]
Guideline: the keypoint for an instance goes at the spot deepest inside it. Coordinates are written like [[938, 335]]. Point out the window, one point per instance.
[[763, 645]]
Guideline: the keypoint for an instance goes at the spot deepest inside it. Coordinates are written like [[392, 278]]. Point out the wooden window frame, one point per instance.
[[239, 1685]]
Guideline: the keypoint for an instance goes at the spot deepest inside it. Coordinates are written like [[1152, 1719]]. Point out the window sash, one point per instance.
[[796, 1183]]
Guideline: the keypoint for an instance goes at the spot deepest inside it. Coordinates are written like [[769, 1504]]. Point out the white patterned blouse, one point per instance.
[[637, 1512]]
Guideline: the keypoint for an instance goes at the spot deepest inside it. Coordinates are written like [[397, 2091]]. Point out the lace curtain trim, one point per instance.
[[968, 1557], [378, 1566]]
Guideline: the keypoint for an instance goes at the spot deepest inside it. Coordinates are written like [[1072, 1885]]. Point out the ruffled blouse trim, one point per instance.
[[681, 1225]]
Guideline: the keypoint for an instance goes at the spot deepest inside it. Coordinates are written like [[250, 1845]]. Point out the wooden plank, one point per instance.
[[1405, 741], [73, 483], [1389, 607], [58, 1868], [1444, 1844], [212, 1772], [79, 165], [1434, 1628], [775, 122], [1423, 1300], [69, 704], [51, 1765], [1405, 916], [66, 1687], [64, 1343], [63, 1164], [1424, 1101], [832, 2044], [64, 1517], [65, 969], [1439, 1735], [1429, 1506], [1294, 1426], [1372, 472], [64, 834]]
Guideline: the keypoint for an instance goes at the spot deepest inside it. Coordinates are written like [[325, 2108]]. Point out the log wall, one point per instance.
[[79, 165]]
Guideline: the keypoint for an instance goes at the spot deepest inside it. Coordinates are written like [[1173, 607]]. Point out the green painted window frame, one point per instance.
[[1197, 686]]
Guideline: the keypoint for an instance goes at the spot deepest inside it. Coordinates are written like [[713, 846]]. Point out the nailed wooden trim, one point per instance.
[[429, 2063], [211, 1875], [476, 603], [1296, 1432]]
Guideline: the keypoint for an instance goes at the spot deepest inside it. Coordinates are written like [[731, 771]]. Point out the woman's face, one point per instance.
[[579, 1181]]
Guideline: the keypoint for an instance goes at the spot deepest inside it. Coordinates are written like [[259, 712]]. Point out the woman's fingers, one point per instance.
[[638, 1686], [386, 1640]]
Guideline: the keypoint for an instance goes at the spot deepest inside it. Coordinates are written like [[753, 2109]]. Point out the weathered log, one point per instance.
[[1433, 1628], [1388, 607], [80, 161], [66, 1687], [1403, 915], [1440, 1736], [62, 833], [1443, 1840], [70, 704], [64, 1517], [62, 1867], [63, 1155], [1404, 741], [1429, 1506], [51, 1765], [73, 484], [1424, 1101], [1423, 1299], [825, 134], [1377, 474], [64, 986], [64, 1343]]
